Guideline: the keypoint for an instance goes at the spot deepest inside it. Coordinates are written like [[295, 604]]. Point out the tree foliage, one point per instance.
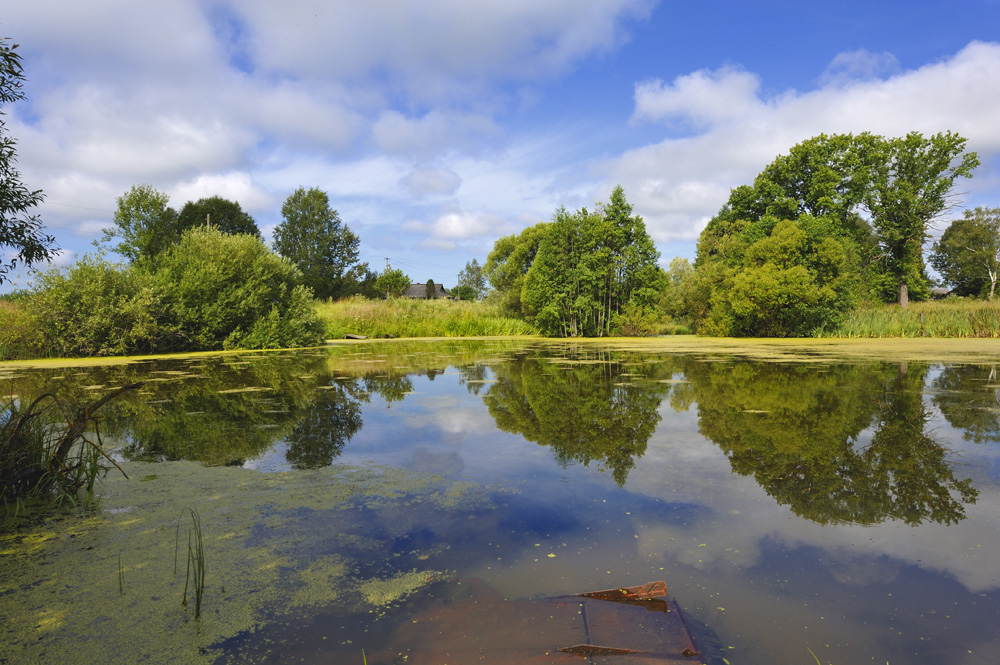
[[313, 237], [144, 223], [968, 253], [393, 283], [588, 267], [215, 211], [20, 230], [430, 290], [472, 279], [508, 264], [909, 180], [750, 283]]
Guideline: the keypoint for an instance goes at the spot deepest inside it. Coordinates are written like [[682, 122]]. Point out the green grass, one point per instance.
[[48, 453], [941, 318], [406, 317]]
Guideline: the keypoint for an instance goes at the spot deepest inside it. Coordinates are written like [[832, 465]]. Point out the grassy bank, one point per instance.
[[941, 318], [405, 317]]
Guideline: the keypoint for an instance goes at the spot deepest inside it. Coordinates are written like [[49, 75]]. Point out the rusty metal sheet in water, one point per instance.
[[484, 628]]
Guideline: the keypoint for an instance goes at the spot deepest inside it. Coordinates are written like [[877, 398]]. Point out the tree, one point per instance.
[[393, 283], [430, 290], [19, 230], [909, 180], [968, 253], [508, 264], [144, 223], [589, 267], [215, 211], [473, 278], [313, 237]]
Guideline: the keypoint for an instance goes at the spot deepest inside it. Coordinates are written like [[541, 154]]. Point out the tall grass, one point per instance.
[[48, 451], [407, 317], [941, 318]]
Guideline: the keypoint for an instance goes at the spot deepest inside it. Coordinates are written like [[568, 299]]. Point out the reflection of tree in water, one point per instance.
[[585, 409], [969, 399], [802, 434], [390, 387], [220, 410], [326, 427]]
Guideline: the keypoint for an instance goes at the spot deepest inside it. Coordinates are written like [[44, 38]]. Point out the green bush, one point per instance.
[[97, 308], [231, 291], [20, 335]]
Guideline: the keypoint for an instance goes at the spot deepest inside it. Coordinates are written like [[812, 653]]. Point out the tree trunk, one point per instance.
[[904, 295]]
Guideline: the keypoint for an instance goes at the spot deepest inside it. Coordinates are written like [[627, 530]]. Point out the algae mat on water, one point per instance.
[[103, 588]]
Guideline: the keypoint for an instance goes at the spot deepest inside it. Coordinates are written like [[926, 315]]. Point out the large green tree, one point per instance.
[[908, 184], [324, 248], [144, 223], [968, 253], [217, 212], [20, 230], [590, 267]]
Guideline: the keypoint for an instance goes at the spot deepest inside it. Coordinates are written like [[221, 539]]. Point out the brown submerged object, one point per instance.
[[627, 626]]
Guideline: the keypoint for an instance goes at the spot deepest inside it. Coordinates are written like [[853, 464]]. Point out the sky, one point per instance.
[[438, 126]]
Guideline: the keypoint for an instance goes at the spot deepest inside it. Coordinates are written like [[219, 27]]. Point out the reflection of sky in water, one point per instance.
[[764, 580]]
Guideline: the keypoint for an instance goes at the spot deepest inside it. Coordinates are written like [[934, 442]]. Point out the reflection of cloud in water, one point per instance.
[[681, 466], [442, 464]]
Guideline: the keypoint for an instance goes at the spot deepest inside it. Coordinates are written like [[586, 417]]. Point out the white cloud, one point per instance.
[[680, 182], [702, 98], [432, 50], [431, 182], [235, 186], [859, 65], [434, 132]]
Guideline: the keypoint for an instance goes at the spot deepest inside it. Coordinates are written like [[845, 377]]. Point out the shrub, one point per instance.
[[20, 335], [97, 308], [231, 291]]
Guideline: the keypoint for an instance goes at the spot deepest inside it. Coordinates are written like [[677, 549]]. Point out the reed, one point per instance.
[[194, 579], [943, 318], [406, 317], [50, 451]]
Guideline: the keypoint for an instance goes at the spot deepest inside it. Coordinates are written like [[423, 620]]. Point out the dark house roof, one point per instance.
[[420, 291]]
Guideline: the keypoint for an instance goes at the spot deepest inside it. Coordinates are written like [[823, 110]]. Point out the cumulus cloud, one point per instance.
[[236, 186], [702, 98], [454, 223], [681, 181]]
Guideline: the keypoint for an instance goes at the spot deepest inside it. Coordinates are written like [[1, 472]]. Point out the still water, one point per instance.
[[407, 498]]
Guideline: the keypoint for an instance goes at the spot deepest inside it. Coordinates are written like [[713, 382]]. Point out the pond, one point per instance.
[[411, 502]]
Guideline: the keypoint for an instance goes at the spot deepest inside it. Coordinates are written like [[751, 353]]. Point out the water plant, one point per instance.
[[195, 576], [47, 451]]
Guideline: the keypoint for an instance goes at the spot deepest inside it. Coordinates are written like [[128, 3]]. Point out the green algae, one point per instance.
[[102, 587]]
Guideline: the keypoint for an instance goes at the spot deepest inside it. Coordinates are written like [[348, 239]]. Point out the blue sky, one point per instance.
[[438, 126]]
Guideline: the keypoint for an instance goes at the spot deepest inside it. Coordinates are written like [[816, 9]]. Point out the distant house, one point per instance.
[[420, 291]]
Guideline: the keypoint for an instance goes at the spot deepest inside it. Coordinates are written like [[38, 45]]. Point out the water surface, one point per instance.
[[794, 504]]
